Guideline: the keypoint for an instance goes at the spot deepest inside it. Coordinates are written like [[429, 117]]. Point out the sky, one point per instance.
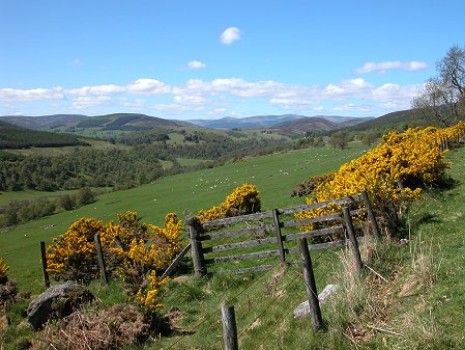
[[208, 59]]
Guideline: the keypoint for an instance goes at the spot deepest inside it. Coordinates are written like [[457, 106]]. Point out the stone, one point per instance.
[[57, 302], [303, 310]]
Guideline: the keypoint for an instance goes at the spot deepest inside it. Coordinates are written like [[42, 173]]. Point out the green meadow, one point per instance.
[[410, 298], [274, 175]]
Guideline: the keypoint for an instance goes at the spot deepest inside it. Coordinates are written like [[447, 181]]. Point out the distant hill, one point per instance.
[[306, 124], [117, 121], [13, 136], [317, 124], [45, 122], [126, 122], [261, 121], [404, 119], [81, 124]]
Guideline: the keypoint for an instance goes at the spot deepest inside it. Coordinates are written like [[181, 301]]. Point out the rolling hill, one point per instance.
[[406, 118], [45, 122], [13, 136], [268, 121], [72, 122], [306, 125]]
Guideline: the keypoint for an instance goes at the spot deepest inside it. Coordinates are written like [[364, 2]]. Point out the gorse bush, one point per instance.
[[133, 251], [242, 200], [394, 172]]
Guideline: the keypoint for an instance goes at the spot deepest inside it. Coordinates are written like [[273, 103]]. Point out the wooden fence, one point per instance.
[[274, 233]]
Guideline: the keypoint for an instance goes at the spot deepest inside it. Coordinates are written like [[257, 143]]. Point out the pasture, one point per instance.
[[274, 175]]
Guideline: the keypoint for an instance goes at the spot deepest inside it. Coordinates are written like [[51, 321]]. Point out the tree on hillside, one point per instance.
[[445, 90], [340, 139]]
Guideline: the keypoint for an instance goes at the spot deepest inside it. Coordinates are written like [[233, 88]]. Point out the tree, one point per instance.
[[85, 196], [340, 139], [445, 94]]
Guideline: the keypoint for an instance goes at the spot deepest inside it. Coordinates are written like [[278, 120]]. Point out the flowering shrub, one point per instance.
[[393, 172], [242, 200], [139, 251], [147, 296]]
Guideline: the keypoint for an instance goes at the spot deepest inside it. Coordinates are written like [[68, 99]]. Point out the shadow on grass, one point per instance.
[[425, 219]]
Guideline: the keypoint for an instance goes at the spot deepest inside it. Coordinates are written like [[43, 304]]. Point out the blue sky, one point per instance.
[[210, 59]]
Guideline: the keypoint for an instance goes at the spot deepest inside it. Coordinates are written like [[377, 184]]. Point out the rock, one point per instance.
[[57, 302], [303, 310]]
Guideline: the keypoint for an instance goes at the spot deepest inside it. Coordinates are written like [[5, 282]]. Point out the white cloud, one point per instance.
[[18, 95], [383, 67], [394, 93], [216, 95], [146, 86], [195, 65], [230, 35], [97, 90]]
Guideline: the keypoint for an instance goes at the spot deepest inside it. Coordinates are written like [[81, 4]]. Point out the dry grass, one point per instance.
[[112, 328], [372, 305]]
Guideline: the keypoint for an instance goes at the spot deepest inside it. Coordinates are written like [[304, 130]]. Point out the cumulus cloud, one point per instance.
[[97, 90], [216, 95], [146, 86], [383, 67], [25, 95], [230, 35], [195, 65]]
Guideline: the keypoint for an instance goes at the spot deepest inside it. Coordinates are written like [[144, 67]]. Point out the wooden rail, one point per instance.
[[274, 233]]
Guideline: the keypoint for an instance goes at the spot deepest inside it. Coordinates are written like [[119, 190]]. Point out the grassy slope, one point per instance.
[[274, 175], [418, 315], [264, 302], [440, 219]]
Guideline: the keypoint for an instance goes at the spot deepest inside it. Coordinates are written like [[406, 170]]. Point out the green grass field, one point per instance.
[[417, 303], [274, 175]]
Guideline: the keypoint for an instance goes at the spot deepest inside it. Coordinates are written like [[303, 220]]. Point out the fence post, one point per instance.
[[353, 240], [100, 259], [279, 237], [310, 286], [229, 328], [371, 215], [195, 230], [44, 264]]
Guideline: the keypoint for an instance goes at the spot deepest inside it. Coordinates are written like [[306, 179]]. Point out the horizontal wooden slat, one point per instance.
[[321, 246], [233, 233], [325, 218], [248, 256], [218, 223], [238, 245], [314, 233], [346, 200]]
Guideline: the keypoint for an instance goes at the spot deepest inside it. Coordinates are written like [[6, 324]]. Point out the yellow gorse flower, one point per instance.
[[242, 200], [395, 170]]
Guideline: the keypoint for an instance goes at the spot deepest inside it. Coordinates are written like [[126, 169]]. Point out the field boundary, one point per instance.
[[275, 233]]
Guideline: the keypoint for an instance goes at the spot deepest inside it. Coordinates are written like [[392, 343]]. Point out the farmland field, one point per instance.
[[274, 175]]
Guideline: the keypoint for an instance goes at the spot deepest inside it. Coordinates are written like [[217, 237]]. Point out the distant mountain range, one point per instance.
[[116, 121], [269, 121], [140, 122]]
